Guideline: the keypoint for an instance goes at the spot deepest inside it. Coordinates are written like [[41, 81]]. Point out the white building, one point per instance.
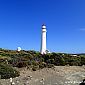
[[43, 40], [19, 49]]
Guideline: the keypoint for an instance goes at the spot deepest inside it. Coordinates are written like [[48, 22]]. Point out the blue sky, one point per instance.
[[21, 20]]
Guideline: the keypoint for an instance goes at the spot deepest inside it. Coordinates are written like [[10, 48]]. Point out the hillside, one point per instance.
[[32, 60]]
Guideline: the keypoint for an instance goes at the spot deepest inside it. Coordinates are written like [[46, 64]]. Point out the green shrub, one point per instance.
[[7, 71], [33, 62], [72, 60], [50, 65], [21, 64], [82, 59], [42, 65], [34, 68]]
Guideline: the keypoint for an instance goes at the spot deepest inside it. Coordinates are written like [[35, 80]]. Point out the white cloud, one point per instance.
[[82, 29]]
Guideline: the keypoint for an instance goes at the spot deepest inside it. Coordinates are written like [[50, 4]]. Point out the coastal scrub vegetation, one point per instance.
[[9, 59]]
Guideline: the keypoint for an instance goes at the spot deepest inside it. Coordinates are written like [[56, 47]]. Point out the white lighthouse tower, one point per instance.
[[43, 40]]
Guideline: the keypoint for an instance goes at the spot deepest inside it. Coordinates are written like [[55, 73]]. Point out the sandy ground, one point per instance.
[[60, 75]]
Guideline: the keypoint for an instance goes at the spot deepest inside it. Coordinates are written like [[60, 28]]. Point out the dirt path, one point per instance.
[[60, 75]]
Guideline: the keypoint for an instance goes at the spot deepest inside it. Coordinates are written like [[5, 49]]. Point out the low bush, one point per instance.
[[22, 64], [34, 68], [50, 65], [42, 65], [83, 60], [7, 71]]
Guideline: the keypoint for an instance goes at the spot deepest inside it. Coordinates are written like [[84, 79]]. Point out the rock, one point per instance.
[[27, 82], [13, 83], [10, 80], [42, 79], [17, 81]]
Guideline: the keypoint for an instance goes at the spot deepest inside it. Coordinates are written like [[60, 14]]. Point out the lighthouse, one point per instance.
[[43, 40]]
